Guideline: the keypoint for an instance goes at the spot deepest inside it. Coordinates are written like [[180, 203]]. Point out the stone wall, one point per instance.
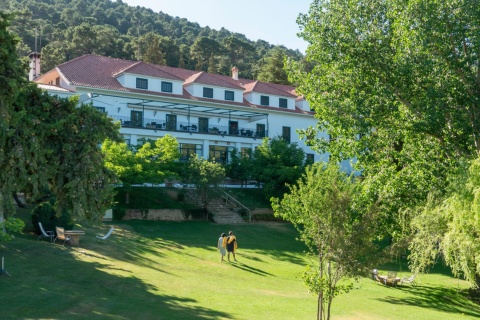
[[154, 214]]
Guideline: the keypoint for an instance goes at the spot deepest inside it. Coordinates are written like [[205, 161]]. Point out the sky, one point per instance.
[[270, 20]]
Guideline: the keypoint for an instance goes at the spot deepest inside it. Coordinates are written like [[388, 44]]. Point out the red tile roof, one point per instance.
[[101, 72], [147, 69], [213, 80]]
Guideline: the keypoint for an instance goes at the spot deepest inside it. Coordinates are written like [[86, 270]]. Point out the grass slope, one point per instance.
[[171, 270]]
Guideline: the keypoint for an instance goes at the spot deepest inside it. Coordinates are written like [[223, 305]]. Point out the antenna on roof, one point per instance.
[[36, 33]]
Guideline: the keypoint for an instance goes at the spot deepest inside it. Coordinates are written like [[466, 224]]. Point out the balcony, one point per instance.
[[192, 128]]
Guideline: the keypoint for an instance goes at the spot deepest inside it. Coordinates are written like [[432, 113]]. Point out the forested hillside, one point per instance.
[[66, 29]]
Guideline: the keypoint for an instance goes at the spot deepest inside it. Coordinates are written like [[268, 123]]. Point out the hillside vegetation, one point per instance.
[[67, 29]]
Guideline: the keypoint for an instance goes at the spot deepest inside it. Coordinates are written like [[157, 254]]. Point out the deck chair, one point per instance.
[[105, 237], [45, 234], [392, 278], [410, 280], [61, 235]]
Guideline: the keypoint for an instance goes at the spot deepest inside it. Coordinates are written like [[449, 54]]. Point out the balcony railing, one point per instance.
[[155, 124]]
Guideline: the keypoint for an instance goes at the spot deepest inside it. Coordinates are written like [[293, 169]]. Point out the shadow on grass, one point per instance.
[[270, 239], [440, 299], [47, 282], [246, 267]]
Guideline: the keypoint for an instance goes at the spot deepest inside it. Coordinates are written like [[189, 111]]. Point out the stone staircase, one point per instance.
[[223, 211]]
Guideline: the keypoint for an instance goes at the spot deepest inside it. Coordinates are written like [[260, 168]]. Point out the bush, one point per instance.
[[45, 213], [118, 213], [195, 214], [181, 196], [265, 217]]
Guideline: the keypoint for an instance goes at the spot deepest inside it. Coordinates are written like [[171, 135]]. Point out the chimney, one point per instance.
[[235, 73], [34, 66]]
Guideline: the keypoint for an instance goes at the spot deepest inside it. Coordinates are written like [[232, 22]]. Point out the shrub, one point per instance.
[[45, 213], [195, 214], [265, 217], [118, 213], [181, 196]]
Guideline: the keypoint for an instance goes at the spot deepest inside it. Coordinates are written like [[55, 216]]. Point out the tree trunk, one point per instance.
[[3, 230], [320, 306], [20, 204], [320, 310]]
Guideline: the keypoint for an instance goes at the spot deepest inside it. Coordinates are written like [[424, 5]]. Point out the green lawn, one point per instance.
[[171, 270]]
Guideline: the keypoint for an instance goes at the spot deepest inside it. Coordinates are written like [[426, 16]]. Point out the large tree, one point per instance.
[[206, 176], [338, 231], [449, 227], [397, 84], [49, 142], [272, 67], [152, 162], [277, 163]]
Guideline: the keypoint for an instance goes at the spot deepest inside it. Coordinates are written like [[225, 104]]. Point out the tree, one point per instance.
[[152, 162], [448, 227], [272, 70], [202, 49], [397, 86], [276, 164], [11, 82], [241, 166], [149, 49], [236, 49], [81, 187], [120, 159], [159, 158], [206, 176], [322, 208], [41, 140]]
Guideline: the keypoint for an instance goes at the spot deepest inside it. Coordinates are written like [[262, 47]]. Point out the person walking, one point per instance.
[[231, 245], [222, 245]]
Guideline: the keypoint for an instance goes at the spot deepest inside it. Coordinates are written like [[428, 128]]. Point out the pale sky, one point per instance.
[[270, 20]]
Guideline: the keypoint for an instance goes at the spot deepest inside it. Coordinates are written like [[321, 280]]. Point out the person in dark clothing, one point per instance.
[[231, 245]]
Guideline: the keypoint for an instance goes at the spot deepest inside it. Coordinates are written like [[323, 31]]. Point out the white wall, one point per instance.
[[218, 92], [154, 84]]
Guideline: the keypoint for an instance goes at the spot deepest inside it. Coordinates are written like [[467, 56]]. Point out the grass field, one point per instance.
[[171, 270]]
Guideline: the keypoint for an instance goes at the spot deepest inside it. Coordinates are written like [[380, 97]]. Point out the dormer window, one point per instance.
[[166, 86], [264, 100], [142, 83], [207, 92], [283, 103], [229, 95]]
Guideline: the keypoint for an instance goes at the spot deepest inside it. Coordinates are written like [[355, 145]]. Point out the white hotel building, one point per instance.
[[209, 114]]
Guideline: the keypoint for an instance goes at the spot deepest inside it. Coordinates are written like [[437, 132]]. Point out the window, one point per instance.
[[171, 122], [167, 86], [188, 150], [57, 81], [219, 153], [203, 125], [207, 92], [229, 95], [101, 109], [136, 118], [142, 83], [260, 130], [286, 134], [283, 103], [264, 100]]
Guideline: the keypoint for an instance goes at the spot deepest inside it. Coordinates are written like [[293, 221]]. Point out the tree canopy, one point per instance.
[[66, 29], [340, 234], [397, 86], [43, 137]]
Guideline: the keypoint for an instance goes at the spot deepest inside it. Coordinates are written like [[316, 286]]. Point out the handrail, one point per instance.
[[234, 201]]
